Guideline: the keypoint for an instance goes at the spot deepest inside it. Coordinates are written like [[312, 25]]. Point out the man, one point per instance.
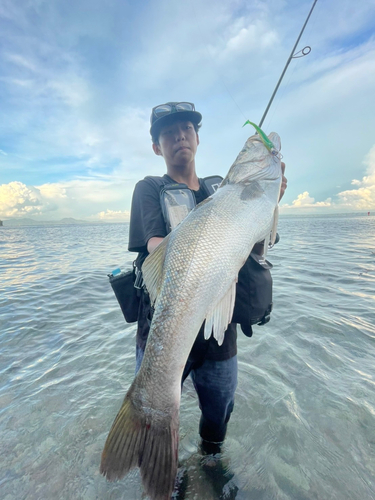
[[213, 368]]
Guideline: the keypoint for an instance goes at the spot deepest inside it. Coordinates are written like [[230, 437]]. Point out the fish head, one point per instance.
[[258, 160]]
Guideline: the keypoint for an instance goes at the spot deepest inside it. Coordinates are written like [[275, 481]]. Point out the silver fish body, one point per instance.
[[191, 278]]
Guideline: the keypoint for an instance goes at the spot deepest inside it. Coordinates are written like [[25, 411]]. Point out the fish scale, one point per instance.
[[191, 277]]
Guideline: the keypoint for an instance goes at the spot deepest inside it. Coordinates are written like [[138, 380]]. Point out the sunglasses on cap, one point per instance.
[[169, 108]]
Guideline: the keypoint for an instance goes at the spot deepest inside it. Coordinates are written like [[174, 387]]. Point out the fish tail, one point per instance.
[[151, 443]]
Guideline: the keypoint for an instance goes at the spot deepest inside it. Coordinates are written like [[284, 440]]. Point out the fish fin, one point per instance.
[[219, 318], [208, 326], [274, 225], [152, 270], [138, 439], [269, 241]]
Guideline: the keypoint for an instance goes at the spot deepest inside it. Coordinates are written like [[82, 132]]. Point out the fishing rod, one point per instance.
[[306, 50]]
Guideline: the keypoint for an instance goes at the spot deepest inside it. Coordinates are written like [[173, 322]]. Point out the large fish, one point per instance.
[[191, 277]]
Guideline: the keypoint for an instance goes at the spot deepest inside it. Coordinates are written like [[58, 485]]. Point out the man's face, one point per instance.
[[178, 143]]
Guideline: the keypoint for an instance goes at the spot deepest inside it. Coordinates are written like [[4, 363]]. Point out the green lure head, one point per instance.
[[269, 144]]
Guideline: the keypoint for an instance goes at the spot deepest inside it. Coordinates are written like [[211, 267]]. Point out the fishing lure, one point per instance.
[[266, 141]]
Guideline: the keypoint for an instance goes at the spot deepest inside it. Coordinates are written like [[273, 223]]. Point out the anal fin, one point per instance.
[[220, 316]]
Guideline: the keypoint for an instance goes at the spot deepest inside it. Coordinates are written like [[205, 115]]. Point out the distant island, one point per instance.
[[32, 222], [70, 220]]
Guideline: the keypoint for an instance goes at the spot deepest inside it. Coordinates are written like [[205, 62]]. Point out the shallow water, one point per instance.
[[304, 420]]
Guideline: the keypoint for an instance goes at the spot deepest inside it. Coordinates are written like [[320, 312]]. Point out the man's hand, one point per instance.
[[284, 182]]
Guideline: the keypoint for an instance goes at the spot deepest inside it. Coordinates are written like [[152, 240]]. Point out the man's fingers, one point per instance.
[[284, 181]]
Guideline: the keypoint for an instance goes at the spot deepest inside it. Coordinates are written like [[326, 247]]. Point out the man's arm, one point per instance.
[[153, 243], [146, 218], [258, 247]]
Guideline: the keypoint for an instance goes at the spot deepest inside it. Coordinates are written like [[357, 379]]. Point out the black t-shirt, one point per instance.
[[147, 221]]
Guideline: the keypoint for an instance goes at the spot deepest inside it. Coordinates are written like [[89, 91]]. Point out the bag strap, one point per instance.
[[177, 199], [212, 183]]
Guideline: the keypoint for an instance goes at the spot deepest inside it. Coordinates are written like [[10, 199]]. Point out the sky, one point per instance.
[[78, 81]]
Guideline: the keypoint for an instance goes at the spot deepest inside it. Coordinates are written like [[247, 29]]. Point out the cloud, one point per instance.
[[304, 200], [363, 197], [86, 197], [78, 80], [79, 198], [18, 200], [52, 191], [114, 216], [243, 36], [360, 198], [73, 141]]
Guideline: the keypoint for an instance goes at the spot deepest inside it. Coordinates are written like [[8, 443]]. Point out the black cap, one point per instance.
[[158, 122]]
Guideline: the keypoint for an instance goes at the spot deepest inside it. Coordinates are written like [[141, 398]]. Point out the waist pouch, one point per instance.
[[253, 294], [127, 295]]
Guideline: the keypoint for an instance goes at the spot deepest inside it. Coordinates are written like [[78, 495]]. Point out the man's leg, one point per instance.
[[215, 383]]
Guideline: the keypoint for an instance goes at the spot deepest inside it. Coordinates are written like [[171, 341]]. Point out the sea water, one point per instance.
[[303, 426]]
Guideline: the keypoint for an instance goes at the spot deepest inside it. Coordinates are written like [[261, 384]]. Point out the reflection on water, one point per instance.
[[304, 419]]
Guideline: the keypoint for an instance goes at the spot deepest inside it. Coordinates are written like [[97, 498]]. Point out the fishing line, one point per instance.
[[302, 53], [279, 99], [293, 55]]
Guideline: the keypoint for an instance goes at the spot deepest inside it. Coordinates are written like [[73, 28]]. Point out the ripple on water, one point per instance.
[[304, 416]]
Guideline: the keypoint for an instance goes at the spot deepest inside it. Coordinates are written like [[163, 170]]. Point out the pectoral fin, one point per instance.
[[274, 225], [269, 241], [220, 316], [152, 270]]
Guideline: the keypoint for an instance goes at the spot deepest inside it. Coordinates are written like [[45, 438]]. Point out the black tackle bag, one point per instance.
[[127, 295], [253, 304]]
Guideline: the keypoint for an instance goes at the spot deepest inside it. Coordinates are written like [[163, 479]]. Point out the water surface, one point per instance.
[[304, 420]]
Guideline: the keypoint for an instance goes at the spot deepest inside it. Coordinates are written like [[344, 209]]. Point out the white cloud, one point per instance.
[[113, 216], [252, 37], [363, 197], [52, 191], [22, 61], [360, 198], [304, 200], [187, 56], [90, 143], [78, 88], [80, 198], [18, 200], [61, 81]]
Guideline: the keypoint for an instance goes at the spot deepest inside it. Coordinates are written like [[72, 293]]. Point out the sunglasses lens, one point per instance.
[[167, 109], [162, 110], [185, 106]]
